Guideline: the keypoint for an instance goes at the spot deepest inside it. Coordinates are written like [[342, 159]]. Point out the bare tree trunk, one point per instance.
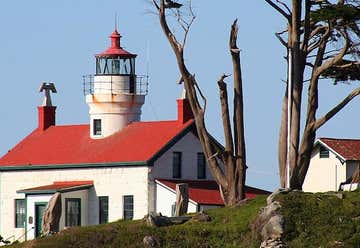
[[239, 134], [304, 39], [282, 147], [182, 199], [230, 177]]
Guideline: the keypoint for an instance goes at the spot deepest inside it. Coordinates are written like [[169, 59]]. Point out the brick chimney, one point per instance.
[[184, 109], [46, 117], [46, 111]]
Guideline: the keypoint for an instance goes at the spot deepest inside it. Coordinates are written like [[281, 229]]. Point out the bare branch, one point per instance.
[[200, 92], [285, 6], [337, 57], [280, 10], [336, 109], [307, 27], [229, 147], [156, 5], [282, 41]]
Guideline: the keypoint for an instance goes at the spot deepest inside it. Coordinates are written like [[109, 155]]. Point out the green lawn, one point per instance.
[[321, 220], [311, 220], [229, 228]]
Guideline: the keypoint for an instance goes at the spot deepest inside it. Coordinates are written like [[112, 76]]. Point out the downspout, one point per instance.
[[336, 188], [0, 204]]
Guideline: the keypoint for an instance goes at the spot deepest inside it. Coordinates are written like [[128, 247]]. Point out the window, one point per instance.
[[72, 212], [103, 209], [115, 66], [177, 165], [128, 207], [97, 127], [173, 209], [201, 166], [19, 213], [324, 153]]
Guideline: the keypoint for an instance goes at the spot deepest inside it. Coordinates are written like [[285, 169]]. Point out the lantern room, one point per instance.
[[115, 94], [115, 60]]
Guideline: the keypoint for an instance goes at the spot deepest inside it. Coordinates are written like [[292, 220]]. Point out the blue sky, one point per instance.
[[56, 40]]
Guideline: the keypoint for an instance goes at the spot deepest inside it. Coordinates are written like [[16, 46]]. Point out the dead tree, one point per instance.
[[312, 29], [228, 167], [182, 199]]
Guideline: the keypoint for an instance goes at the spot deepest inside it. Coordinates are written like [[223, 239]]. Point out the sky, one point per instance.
[[56, 41]]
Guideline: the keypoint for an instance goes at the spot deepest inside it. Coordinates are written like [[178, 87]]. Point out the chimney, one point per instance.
[[46, 116], [184, 110], [46, 111]]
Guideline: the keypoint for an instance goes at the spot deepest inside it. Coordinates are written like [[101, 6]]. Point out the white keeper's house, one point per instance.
[[333, 162], [115, 167]]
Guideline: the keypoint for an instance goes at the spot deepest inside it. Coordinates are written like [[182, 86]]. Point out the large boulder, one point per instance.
[[52, 214]]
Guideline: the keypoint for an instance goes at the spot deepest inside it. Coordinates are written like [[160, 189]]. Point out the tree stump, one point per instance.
[[182, 199]]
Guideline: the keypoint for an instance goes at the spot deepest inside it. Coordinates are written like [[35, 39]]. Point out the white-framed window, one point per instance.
[[97, 127], [324, 153], [128, 206], [19, 213], [103, 209], [72, 212]]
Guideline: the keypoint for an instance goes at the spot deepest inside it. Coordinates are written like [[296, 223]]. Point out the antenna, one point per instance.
[[147, 57], [115, 21]]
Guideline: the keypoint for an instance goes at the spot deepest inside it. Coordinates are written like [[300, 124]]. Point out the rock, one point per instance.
[[158, 220], [273, 229], [150, 241], [52, 214], [270, 210], [271, 197], [265, 214], [201, 217], [273, 243], [336, 194]]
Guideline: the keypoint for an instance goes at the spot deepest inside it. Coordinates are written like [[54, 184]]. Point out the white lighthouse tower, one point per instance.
[[115, 93]]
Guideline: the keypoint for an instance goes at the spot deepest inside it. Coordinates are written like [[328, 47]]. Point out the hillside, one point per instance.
[[311, 220]]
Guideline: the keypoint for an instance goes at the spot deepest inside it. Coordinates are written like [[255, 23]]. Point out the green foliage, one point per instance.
[[321, 220], [229, 227], [345, 70], [347, 13]]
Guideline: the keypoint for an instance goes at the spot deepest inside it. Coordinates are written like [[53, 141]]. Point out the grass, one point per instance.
[[311, 220], [229, 227], [321, 220]]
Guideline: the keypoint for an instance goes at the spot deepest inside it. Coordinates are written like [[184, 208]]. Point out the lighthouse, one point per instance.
[[115, 93]]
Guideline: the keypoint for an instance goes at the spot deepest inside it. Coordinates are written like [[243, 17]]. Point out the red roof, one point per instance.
[[349, 149], [115, 49], [207, 191], [138, 142], [60, 186]]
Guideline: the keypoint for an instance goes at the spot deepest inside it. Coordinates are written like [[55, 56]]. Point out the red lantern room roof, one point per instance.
[[115, 50]]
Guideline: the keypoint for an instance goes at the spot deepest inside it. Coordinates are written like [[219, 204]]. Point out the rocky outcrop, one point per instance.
[[150, 242], [200, 217], [270, 223], [52, 214]]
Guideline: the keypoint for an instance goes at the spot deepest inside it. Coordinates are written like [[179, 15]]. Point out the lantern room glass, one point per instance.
[[115, 66]]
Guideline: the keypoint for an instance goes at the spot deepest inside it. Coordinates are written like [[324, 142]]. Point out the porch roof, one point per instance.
[[207, 191], [58, 186]]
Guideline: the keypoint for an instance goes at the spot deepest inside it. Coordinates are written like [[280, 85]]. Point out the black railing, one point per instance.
[[137, 85]]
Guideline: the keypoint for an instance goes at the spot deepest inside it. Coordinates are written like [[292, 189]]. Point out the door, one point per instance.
[[39, 211]]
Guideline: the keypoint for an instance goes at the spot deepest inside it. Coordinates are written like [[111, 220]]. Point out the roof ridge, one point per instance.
[[350, 139]]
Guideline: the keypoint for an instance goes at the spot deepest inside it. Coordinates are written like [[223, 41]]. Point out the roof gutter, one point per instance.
[[71, 166]]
